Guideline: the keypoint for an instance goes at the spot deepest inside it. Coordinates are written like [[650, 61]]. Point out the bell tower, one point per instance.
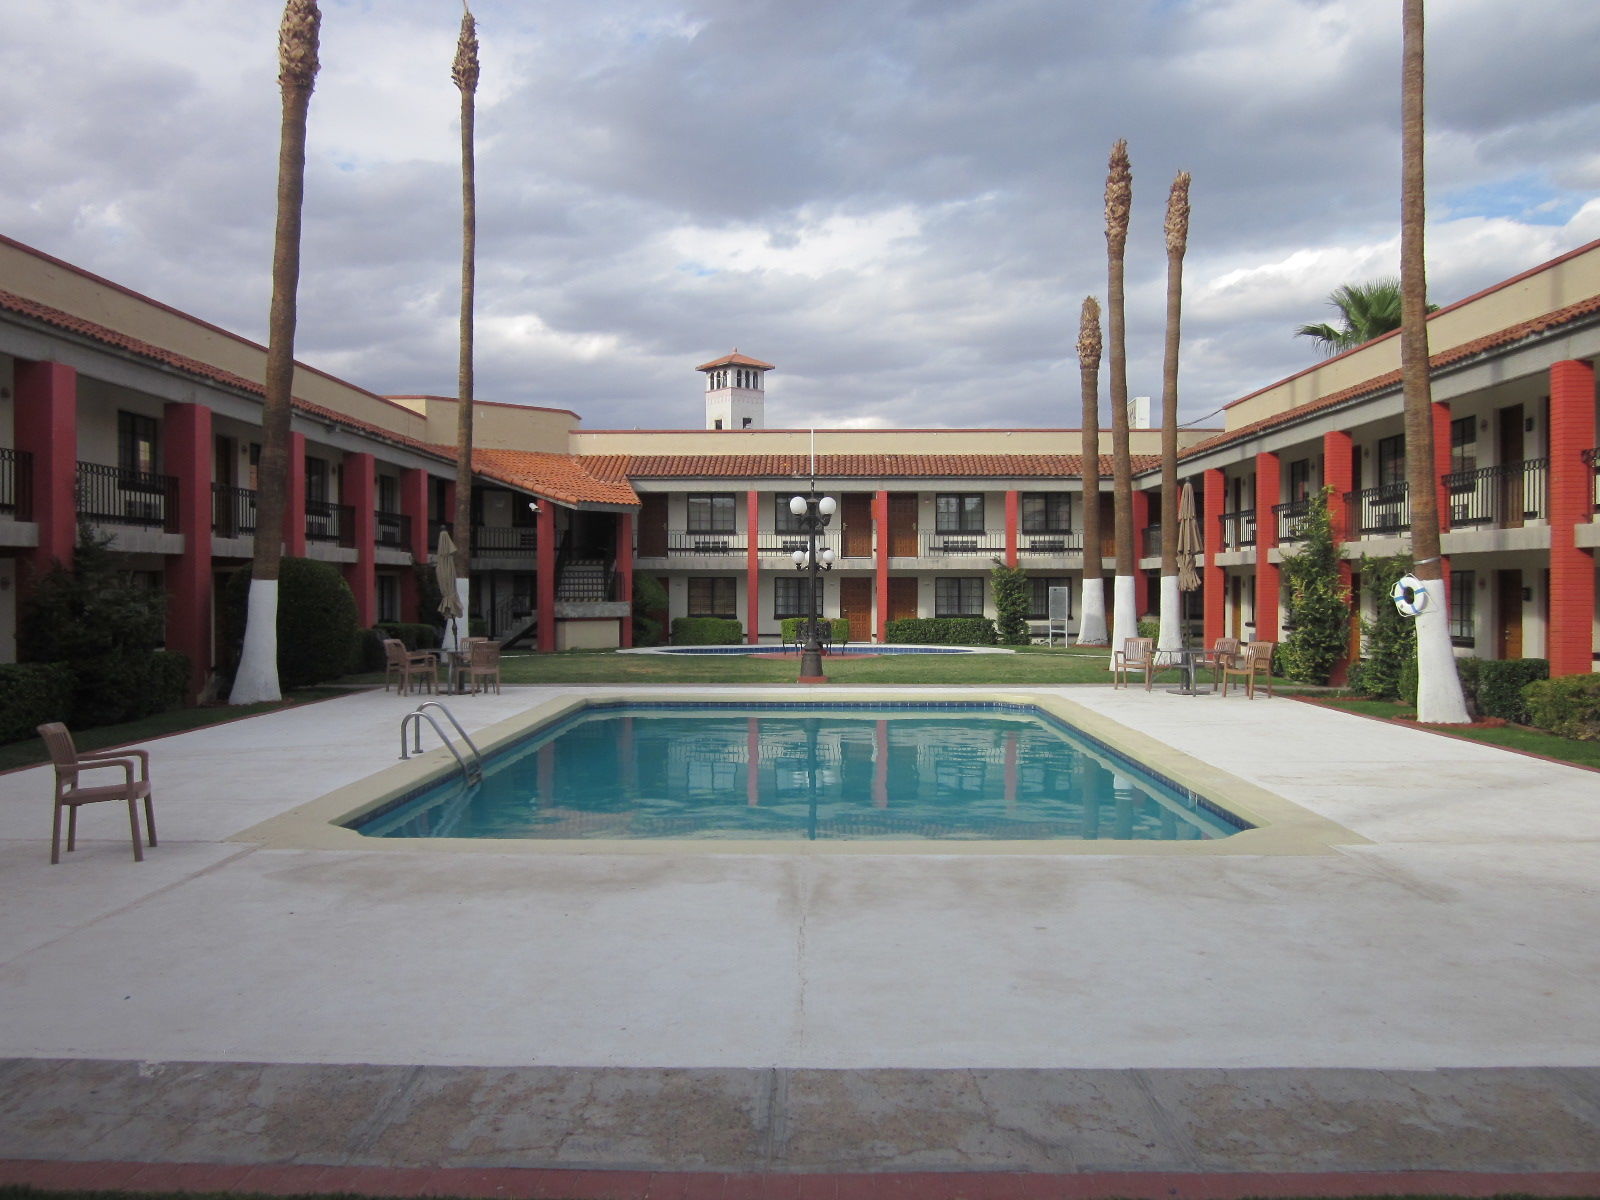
[[735, 391]]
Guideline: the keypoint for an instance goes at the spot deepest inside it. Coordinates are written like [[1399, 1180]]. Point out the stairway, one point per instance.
[[584, 580]]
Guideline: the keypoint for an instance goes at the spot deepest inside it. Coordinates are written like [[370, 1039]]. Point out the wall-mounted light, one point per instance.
[[1527, 425], [533, 507]]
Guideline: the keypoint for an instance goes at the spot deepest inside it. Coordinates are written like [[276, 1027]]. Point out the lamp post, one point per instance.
[[814, 512]]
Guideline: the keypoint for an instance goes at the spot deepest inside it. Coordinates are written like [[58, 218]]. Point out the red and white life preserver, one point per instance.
[[1410, 595]]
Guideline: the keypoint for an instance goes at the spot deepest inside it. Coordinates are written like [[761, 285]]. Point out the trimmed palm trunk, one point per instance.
[[1177, 242], [1092, 611], [1439, 698], [1119, 202], [257, 677], [465, 73]]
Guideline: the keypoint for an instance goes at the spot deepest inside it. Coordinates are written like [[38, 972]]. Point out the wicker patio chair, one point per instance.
[[70, 763], [1138, 655], [1255, 663], [403, 666]]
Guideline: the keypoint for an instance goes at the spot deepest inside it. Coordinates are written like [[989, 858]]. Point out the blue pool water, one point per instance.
[[798, 770]]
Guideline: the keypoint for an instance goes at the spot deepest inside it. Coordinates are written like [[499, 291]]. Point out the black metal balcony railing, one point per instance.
[[942, 545], [1238, 528], [502, 540], [330, 522], [1289, 517], [783, 545], [233, 511], [113, 496], [393, 529], [16, 483], [1062, 541], [1382, 509], [1592, 457], [1507, 494], [1152, 541], [705, 542]]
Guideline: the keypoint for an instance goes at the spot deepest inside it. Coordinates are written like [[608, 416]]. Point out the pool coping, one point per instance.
[[1281, 827]]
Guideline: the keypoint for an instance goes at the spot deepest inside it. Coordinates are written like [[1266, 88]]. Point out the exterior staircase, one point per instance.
[[584, 581]]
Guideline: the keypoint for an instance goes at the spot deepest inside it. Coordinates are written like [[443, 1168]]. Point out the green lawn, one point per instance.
[[1512, 737]]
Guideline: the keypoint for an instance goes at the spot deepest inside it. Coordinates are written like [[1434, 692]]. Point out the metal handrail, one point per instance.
[[415, 718]]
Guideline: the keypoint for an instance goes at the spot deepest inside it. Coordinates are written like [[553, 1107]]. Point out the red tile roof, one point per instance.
[[736, 360], [563, 478], [847, 466]]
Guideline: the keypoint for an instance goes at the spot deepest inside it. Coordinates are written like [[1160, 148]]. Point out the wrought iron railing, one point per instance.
[[1238, 528], [1064, 541], [687, 542], [943, 545], [330, 522], [1382, 509], [1289, 517], [505, 539], [1152, 540], [114, 496], [393, 529], [1592, 457], [233, 511], [1507, 494], [16, 483]]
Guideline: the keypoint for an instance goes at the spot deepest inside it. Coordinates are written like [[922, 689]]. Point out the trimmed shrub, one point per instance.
[[943, 631], [840, 627], [414, 635], [126, 685], [706, 631], [1012, 597], [30, 695], [1500, 683], [1148, 627], [1568, 706], [316, 620], [1317, 604], [1390, 641], [366, 651], [649, 610]]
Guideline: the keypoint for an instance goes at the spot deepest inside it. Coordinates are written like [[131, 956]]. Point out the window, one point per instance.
[[136, 443], [791, 596], [388, 598], [1463, 621], [316, 480], [255, 466], [711, 514], [958, 597], [958, 514], [1391, 460], [1050, 512], [716, 596], [1463, 445], [1039, 603], [388, 494], [1300, 479], [784, 521]]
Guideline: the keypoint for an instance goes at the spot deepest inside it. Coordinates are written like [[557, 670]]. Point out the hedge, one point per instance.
[[316, 620], [943, 631], [415, 635], [841, 628], [126, 685], [1493, 687], [1568, 706], [706, 631], [366, 651], [32, 694]]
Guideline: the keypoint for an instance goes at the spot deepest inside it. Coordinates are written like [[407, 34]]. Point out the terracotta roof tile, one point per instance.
[[736, 360], [564, 478], [848, 466]]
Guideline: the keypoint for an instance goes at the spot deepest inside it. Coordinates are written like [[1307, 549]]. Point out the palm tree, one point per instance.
[[465, 73], [1092, 619], [1439, 698], [1119, 202], [1177, 229], [1366, 310], [257, 677]]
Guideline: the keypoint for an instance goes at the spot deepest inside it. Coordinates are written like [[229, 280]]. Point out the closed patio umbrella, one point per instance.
[[1190, 544], [444, 571]]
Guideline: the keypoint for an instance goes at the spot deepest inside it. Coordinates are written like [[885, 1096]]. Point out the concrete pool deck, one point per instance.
[[1422, 1000]]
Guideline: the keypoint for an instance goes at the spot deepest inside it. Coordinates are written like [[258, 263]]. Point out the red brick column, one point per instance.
[[294, 500], [1215, 579], [880, 525], [1338, 473], [625, 576], [414, 504], [46, 426], [1268, 490], [358, 487], [1013, 508], [186, 451], [1570, 638], [1441, 468], [752, 568], [546, 582], [1141, 518]]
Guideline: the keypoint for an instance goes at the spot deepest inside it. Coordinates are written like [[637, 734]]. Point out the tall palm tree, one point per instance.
[[257, 677], [1092, 612], [1366, 310], [1119, 203], [465, 73], [1439, 698], [1177, 229]]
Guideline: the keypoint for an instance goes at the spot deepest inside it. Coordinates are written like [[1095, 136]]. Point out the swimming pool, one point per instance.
[[806, 771]]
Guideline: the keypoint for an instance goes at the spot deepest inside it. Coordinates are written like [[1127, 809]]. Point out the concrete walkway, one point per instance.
[[1422, 999]]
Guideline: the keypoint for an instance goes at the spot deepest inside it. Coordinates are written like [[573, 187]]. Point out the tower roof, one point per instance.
[[736, 360]]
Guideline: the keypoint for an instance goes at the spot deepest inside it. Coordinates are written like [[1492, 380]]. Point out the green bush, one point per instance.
[[414, 635], [706, 631], [1317, 603], [1500, 683], [649, 606], [88, 609], [316, 620], [126, 685], [428, 597], [841, 628], [1012, 597], [943, 631], [1390, 641], [1149, 627], [1568, 706], [32, 694], [366, 651]]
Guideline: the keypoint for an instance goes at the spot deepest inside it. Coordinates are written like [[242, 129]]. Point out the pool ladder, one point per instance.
[[472, 771]]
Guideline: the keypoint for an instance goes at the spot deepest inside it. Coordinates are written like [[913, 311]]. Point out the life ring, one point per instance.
[[1410, 595]]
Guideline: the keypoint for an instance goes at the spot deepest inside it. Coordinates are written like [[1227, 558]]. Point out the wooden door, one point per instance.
[[652, 525], [1108, 524], [855, 518], [902, 598], [1508, 447], [1236, 607], [855, 605], [1508, 614], [903, 526]]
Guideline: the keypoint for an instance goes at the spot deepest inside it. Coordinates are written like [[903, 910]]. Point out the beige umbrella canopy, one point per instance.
[[444, 572], [1191, 546]]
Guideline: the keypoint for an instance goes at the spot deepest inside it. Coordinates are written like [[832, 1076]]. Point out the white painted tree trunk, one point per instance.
[[1439, 700], [1171, 637], [458, 629], [257, 678], [1092, 614], [1124, 613]]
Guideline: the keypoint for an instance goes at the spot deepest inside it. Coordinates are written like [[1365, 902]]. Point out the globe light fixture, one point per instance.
[[815, 513]]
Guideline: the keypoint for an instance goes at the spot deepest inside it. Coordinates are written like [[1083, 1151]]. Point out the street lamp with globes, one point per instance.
[[814, 512]]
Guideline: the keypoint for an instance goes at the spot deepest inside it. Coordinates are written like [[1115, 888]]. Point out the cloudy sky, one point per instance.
[[898, 202]]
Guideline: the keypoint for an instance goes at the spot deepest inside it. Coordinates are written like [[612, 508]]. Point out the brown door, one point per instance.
[[1508, 446], [902, 598], [1508, 614], [903, 526], [1108, 525], [855, 605], [1236, 607], [855, 514], [652, 525]]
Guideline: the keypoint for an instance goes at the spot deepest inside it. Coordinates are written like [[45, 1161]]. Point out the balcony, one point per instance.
[[1289, 516], [114, 496], [955, 545], [16, 484], [707, 543], [505, 540], [1058, 541], [783, 545], [233, 511], [1504, 495], [1381, 510], [1592, 457], [1238, 528], [1151, 545], [330, 523], [393, 530]]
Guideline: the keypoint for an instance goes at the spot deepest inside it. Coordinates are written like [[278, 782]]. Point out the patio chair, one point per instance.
[[403, 666], [483, 663], [70, 763], [1255, 663], [1223, 650], [1137, 655]]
